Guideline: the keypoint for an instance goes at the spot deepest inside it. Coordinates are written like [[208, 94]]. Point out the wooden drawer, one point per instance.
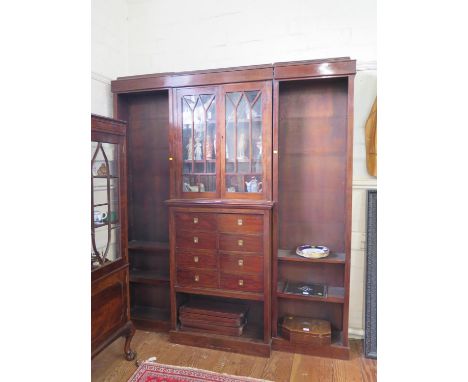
[[197, 278], [195, 240], [240, 243], [238, 263], [196, 259], [237, 223], [193, 221], [246, 283]]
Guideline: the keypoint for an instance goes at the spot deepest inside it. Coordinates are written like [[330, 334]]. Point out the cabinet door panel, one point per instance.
[[247, 145], [197, 142]]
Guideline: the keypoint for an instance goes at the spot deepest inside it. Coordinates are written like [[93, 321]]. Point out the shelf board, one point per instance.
[[105, 177], [334, 350], [251, 341], [148, 246], [148, 277], [334, 295], [221, 293], [290, 255], [150, 318], [149, 313], [200, 161], [114, 225]]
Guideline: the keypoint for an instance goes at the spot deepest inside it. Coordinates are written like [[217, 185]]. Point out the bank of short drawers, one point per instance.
[[219, 250]]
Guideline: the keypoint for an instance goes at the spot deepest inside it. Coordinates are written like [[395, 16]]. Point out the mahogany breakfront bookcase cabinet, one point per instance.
[[229, 171]]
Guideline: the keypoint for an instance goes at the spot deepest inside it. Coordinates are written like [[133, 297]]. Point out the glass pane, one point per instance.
[[199, 143], [210, 143], [187, 138], [244, 183], [199, 125], [244, 137], [251, 95], [243, 134], [105, 229], [234, 97], [105, 210], [106, 240]]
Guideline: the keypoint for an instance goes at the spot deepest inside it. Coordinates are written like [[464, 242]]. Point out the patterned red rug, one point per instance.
[[157, 372]]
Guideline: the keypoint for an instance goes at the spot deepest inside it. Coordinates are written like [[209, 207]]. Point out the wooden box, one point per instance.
[[215, 309], [307, 330]]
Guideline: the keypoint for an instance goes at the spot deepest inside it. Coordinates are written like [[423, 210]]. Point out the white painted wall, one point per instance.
[[151, 36], [109, 50]]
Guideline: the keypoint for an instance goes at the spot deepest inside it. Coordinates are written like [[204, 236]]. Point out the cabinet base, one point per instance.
[[329, 351], [219, 342]]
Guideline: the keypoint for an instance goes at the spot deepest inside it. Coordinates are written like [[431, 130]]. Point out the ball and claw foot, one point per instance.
[[130, 355]]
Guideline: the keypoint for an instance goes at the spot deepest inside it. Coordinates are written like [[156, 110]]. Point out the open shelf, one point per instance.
[[221, 293], [148, 317], [334, 350], [251, 341], [150, 246], [148, 277], [290, 255], [334, 295]]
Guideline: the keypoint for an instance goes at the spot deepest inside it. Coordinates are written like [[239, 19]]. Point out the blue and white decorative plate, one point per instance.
[[312, 251]]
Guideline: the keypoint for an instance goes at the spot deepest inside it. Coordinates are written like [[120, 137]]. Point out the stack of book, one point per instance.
[[213, 317]]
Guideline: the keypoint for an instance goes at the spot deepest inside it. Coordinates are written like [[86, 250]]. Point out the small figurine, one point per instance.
[[254, 185], [190, 149], [102, 170], [198, 149], [209, 148]]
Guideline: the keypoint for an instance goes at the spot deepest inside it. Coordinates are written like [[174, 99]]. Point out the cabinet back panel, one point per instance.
[[148, 152], [312, 163]]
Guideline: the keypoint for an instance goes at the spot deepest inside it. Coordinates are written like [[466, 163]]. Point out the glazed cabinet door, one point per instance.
[[246, 141], [107, 246], [196, 142]]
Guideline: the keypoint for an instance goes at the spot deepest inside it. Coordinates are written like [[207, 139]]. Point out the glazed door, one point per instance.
[[246, 141], [198, 148], [105, 203]]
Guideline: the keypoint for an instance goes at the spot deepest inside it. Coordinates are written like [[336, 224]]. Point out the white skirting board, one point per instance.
[[356, 333]]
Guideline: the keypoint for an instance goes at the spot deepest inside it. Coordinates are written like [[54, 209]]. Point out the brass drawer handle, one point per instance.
[[196, 278], [195, 259], [240, 262], [241, 282], [195, 239], [195, 220], [240, 242], [239, 222]]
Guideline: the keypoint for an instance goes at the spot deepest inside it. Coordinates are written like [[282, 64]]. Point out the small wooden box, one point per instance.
[[306, 330]]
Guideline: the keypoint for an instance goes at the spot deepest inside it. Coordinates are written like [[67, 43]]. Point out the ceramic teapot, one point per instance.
[[254, 185]]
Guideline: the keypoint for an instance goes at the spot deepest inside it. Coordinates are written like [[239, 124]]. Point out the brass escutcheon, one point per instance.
[[195, 259], [240, 262], [195, 239], [241, 282], [240, 242], [195, 220], [239, 221], [197, 278]]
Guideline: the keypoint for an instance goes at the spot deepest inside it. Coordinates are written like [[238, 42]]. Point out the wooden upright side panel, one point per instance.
[[312, 163], [148, 166]]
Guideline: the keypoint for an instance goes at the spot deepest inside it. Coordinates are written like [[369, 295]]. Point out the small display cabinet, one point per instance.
[[109, 264]]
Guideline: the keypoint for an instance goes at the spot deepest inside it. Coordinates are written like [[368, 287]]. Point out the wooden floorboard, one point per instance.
[[110, 366]]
